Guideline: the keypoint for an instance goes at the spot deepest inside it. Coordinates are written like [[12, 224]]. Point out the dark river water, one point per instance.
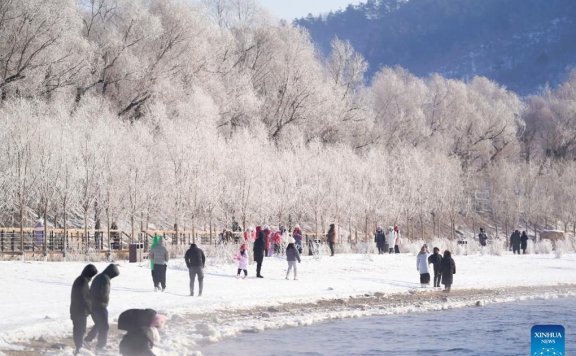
[[497, 329]]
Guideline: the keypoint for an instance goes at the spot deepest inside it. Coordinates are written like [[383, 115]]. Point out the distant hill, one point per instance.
[[522, 44]]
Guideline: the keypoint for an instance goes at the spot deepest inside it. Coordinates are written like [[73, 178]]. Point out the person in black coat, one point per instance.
[[380, 240], [448, 270], [523, 242], [80, 304], [259, 247], [515, 241], [100, 295], [195, 261], [139, 338], [436, 260]]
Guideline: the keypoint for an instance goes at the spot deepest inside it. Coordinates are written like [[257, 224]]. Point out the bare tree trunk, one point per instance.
[[45, 213], [22, 230], [366, 227], [87, 243]]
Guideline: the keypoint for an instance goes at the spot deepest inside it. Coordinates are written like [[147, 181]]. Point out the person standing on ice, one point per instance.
[[422, 266], [297, 236], [391, 239], [242, 261], [436, 260], [523, 242], [448, 270], [159, 255], [380, 239], [292, 256], [259, 250], [195, 261], [80, 305], [331, 238], [100, 296]]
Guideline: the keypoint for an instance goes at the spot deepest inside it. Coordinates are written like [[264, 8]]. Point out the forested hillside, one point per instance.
[[521, 44], [161, 112]]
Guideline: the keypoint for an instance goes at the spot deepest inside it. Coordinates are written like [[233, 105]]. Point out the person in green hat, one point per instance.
[[155, 241], [159, 256]]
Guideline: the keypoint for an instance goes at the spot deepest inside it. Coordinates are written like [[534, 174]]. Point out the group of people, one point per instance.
[[387, 241], [444, 267], [92, 299], [518, 241]]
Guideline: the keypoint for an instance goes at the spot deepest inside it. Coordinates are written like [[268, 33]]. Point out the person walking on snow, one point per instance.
[[297, 236], [380, 239], [331, 238], [523, 242], [259, 249], [242, 261], [155, 241], [422, 266], [80, 305], [515, 241], [100, 296], [448, 270], [436, 260], [159, 255], [195, 261], [391, 239], [292, 256]]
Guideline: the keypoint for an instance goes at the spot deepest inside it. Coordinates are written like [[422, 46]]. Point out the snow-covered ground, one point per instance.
[[35, 296]]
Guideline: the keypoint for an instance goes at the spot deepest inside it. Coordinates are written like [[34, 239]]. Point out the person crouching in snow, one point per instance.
[[448, 270], [142, 331], [422, 266], [242, 261], [291, 256]]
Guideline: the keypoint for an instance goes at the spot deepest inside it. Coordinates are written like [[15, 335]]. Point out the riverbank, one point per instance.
[[35, 314]]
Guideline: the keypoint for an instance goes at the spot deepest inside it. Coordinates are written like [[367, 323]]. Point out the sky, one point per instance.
[[291, 9]]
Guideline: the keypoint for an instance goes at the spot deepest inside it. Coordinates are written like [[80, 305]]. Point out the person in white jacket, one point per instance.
[[242, 261], [391, 239], [422, 266]]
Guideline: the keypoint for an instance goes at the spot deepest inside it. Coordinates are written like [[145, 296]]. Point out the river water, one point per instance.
[[496, 329]]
